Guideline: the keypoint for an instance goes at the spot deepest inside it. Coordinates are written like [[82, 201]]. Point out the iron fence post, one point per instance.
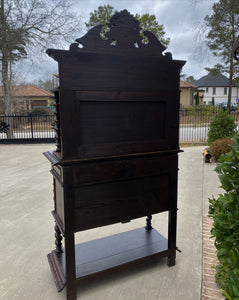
[[31, 125]]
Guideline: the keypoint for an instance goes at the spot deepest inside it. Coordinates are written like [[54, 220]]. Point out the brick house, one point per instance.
[[26, 97]]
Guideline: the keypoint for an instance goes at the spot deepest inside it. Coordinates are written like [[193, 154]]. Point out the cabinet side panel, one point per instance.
[[59, 201]]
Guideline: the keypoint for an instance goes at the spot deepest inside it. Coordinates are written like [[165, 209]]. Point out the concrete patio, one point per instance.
[[27, 233]]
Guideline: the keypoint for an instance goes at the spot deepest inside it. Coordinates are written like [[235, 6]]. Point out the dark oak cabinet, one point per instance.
[[116, 157]]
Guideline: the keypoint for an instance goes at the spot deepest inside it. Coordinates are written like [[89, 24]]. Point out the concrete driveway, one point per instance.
[[27, 233]]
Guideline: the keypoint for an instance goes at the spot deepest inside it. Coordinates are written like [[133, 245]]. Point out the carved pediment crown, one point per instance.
[[123, 36]]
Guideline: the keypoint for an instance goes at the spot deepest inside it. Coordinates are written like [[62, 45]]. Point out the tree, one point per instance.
[[197, 99], [101, 16], [213, 101], [223, 26], [45, 84], [183, 77], [187, 78], [30, 25], [236, 81], [147, 22], [190, 79], [217, 69]]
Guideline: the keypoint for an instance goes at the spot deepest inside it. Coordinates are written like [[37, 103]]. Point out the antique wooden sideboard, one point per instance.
[[116, 158]]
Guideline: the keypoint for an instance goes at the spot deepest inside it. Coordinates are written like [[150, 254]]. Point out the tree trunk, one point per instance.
[[5, 73], [230, 85], [7, 95], [231, 70], [229, 94], [6, 86]]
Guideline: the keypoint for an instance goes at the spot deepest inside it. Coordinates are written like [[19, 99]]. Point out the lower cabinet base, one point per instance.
[[106, 254]]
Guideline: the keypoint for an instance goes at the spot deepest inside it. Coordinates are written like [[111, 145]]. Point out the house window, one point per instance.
[[225, 91], [206, 90], [214, 91]]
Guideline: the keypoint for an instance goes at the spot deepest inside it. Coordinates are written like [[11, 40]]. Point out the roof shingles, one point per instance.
[[28, 91], [218, 80], [185, 84]]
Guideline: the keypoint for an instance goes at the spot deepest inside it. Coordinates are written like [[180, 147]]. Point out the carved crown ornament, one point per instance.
[[123, 38]]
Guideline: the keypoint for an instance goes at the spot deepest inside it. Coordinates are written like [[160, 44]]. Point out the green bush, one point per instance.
[[40, 111], [204, 110], [225, 213], [220, 147], [222, 126]]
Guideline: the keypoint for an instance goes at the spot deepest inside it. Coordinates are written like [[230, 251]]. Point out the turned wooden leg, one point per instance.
[[58, 239], [148, 226]]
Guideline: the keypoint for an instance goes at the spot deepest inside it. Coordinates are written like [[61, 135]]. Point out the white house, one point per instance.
[[216, 87]]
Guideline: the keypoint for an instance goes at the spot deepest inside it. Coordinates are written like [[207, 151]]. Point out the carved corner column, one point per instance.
[[58, 240], [148, 226], [57, 122]]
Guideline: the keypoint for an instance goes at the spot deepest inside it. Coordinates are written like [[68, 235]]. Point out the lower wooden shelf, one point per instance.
[[108, 253]]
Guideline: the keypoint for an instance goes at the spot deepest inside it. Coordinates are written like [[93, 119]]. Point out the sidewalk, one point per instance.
[[27, 234]]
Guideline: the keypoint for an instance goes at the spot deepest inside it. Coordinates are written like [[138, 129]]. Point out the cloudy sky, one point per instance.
[[183, 23]]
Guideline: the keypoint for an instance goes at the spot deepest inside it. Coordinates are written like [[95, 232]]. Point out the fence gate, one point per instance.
[[28, 128]]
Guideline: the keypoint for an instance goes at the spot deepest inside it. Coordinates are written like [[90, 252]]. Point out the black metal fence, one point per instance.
[[29, 128], [39, 128], [195, 120]]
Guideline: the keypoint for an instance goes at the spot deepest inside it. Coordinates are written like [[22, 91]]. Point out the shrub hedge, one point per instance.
[[225, 213], [222, 126], [220, 147]]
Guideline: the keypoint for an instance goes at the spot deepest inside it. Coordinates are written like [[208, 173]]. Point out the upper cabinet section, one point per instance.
[[117, 96]]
